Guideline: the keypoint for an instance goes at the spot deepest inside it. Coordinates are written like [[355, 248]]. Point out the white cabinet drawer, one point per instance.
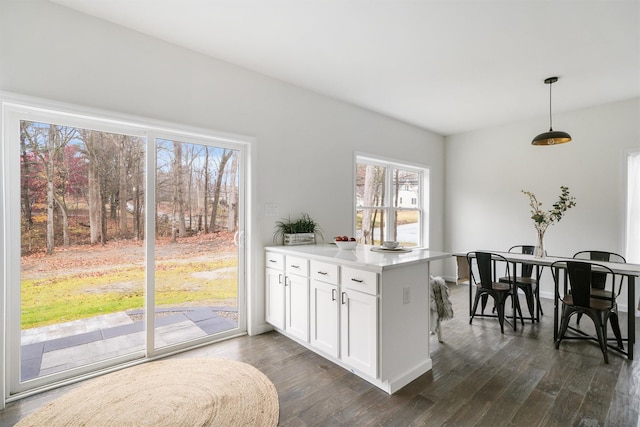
[[297, 266], [360, 280], [274, 260], [324, 272]]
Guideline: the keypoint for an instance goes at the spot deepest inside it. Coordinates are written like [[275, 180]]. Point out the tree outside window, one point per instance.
[[390, 201]]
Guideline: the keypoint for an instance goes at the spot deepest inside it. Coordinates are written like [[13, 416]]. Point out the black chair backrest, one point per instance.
[[581, 279], [580, 282], [485, 263], [526, 269], [600, 256], [598, 279], [484, 269]]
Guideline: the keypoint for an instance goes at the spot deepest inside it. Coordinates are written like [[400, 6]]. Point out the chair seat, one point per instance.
[[600, 293], [496, 286], [594, 303]]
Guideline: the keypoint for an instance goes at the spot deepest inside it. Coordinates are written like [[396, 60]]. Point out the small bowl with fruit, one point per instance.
[[345, 243]]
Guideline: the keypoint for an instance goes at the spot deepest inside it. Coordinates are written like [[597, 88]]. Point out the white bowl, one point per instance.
[[345, 246], [390, 244]]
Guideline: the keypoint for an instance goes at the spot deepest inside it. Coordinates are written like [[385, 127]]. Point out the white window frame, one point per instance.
[[390, 211], [632, 219]]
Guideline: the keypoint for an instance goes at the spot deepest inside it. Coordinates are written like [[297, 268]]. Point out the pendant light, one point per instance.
[[553, 137]]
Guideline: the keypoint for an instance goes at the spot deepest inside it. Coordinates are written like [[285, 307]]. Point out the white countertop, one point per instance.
[[361, 256]]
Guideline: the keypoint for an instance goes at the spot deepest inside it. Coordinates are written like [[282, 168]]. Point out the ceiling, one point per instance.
[[449, 66]]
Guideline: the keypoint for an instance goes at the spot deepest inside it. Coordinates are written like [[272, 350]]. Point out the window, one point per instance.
[[391, 202], [632, 252]]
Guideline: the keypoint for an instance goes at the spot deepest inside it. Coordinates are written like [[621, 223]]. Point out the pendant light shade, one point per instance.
[[552, 137]]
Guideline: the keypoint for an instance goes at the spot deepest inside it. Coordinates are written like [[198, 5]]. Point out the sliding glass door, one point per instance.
[[106, 223], [196, 251], [81, 254]]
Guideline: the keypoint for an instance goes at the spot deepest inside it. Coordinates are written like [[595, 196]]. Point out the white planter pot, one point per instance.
[[299, 239]]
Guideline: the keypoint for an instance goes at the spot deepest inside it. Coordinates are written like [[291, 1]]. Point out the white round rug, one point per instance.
[[177, 392]]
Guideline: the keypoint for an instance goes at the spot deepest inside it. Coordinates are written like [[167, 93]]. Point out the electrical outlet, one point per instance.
[[406, 295], [271, 209]]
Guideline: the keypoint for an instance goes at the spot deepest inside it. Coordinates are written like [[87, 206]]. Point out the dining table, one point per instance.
[[629, 271]]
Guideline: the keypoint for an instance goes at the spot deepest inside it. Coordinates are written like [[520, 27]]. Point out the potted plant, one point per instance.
[[302, 231]]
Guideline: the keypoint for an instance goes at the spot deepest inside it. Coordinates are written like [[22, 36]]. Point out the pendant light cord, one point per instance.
[[550, 119]]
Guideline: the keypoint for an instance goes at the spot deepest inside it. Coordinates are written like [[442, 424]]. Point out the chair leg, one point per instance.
[[563, 326], [475, 306], [602, 335], [500, 308], [615, 326], [528, 293], [518, 310], [539, 306]]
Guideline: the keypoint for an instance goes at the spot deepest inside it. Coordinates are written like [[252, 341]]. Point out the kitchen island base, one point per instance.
[[365, 311]]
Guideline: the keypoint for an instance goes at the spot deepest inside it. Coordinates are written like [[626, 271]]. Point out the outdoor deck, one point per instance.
[[68, 345]]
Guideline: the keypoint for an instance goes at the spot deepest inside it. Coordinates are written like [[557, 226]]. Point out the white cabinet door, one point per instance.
[[359, 331], [324, 315], [275, 297], [297, 307]]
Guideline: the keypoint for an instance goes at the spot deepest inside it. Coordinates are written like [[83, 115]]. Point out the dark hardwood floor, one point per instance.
[[479, 378]]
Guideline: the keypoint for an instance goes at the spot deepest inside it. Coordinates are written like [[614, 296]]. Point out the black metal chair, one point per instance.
[[488, 286], [598, 279], [578, 299], [527, 283]]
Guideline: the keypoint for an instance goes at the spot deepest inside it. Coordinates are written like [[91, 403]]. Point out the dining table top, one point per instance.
[[626, 269]]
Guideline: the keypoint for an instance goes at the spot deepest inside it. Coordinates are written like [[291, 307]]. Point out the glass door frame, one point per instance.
[[33, 110], [150, 242]]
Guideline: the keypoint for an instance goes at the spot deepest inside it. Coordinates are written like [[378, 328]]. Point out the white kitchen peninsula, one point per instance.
[[366, 311]]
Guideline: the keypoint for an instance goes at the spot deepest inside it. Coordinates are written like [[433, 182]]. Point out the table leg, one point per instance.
[[470, 285], [537, 294], [556, 285], [631, 315], [513, 299]]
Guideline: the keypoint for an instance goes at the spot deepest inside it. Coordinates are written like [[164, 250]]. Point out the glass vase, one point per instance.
[[538, 252]]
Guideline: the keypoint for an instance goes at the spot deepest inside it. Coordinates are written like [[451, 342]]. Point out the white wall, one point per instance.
[[305, 142], [486, 169]]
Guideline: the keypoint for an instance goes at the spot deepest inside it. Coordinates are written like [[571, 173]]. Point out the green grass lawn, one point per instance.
[[77, 296]]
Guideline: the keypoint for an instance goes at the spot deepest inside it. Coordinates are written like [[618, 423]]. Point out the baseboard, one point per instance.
[[396, 384]]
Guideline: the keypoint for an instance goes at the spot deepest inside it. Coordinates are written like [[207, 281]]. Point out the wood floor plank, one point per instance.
[[563, 410], [480, 377], [533, 410], [598, 397]]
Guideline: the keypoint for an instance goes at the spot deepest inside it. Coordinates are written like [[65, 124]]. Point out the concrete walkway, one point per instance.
[[68, 345]]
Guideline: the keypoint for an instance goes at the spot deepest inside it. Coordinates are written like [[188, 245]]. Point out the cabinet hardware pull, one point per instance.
[[279, 278], [272, 260], [324, 273], [343, 295], [333, 294], [357, 280], [285, 281]]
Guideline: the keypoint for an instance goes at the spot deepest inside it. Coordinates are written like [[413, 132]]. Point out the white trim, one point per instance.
[[626, 221]]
